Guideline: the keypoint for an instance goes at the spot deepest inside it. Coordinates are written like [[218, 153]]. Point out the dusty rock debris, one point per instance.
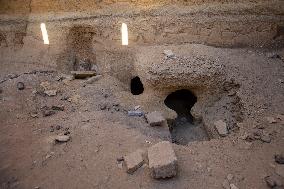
[[199, 88]]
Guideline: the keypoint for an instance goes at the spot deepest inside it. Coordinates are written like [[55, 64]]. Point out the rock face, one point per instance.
[[156, 119], [133, 161], [162, 160], [221, 127]]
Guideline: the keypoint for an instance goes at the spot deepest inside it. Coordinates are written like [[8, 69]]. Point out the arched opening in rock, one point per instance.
[[136, 86], [183, 128]]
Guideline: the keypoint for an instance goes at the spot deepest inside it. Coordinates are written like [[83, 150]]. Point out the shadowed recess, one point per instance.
[[136, 86]]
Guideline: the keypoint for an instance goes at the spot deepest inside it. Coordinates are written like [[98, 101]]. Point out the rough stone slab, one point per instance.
[[162, 160], [156, 119], [133, 161], [83, 74], [221, 128]]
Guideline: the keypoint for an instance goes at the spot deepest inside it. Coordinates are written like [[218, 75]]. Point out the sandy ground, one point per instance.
[[30, 159]]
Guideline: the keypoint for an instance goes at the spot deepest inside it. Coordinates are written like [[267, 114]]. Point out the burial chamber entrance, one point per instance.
[[136, 86], [184, 128]]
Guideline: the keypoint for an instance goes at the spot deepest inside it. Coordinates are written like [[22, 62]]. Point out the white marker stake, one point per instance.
[[124, 34], [44, 33]]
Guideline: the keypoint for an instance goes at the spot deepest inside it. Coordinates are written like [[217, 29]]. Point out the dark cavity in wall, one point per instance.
[[136, 86], [184, 129]]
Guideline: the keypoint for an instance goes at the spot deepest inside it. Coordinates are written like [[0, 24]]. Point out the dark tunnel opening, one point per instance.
[[136, 86], [183, 128]]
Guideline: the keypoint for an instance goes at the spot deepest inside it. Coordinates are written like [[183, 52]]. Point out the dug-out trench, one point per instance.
[[184, 128]]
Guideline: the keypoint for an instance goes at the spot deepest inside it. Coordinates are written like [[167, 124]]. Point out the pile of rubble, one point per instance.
[[159, 158]]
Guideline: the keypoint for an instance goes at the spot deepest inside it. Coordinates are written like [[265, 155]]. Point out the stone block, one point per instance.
[[156, 119], [133, 161], [162, 160]]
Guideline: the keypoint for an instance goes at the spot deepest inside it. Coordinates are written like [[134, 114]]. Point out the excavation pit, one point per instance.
[[184, 129]]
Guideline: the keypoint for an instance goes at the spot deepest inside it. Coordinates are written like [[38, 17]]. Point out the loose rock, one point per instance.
[[279, 158], [230, 177], [47, 113], [169, 53], [232, 186], [265, 138], [51, 92], [162, 160], [226, 184], [133, 161], [221, 128], [271, 120], [20, 86], [156, 119], [273, 181], [62, 138], [83, 74], [93, 79], [58, 108]]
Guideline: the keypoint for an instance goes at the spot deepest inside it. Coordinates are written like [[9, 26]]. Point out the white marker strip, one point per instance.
[[44, 33], [124, 34]]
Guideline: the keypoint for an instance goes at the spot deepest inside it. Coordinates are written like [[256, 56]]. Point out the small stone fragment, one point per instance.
[[93, 79], [137, 107], [58, 108], [273, 181], [103, 106], [120, 165], [20, 86], [51, 92], [162, 160], [51, 129], [226, 184], [169, 53], [45, 85], [230, 177], [271, 120], [279, 158], [83, 74], [221, 127], [74, 99], [34, 115], [265, 138], [58, 127], [47, 113], [156, 119], [232, 186], [133, 161], [62, 138]]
